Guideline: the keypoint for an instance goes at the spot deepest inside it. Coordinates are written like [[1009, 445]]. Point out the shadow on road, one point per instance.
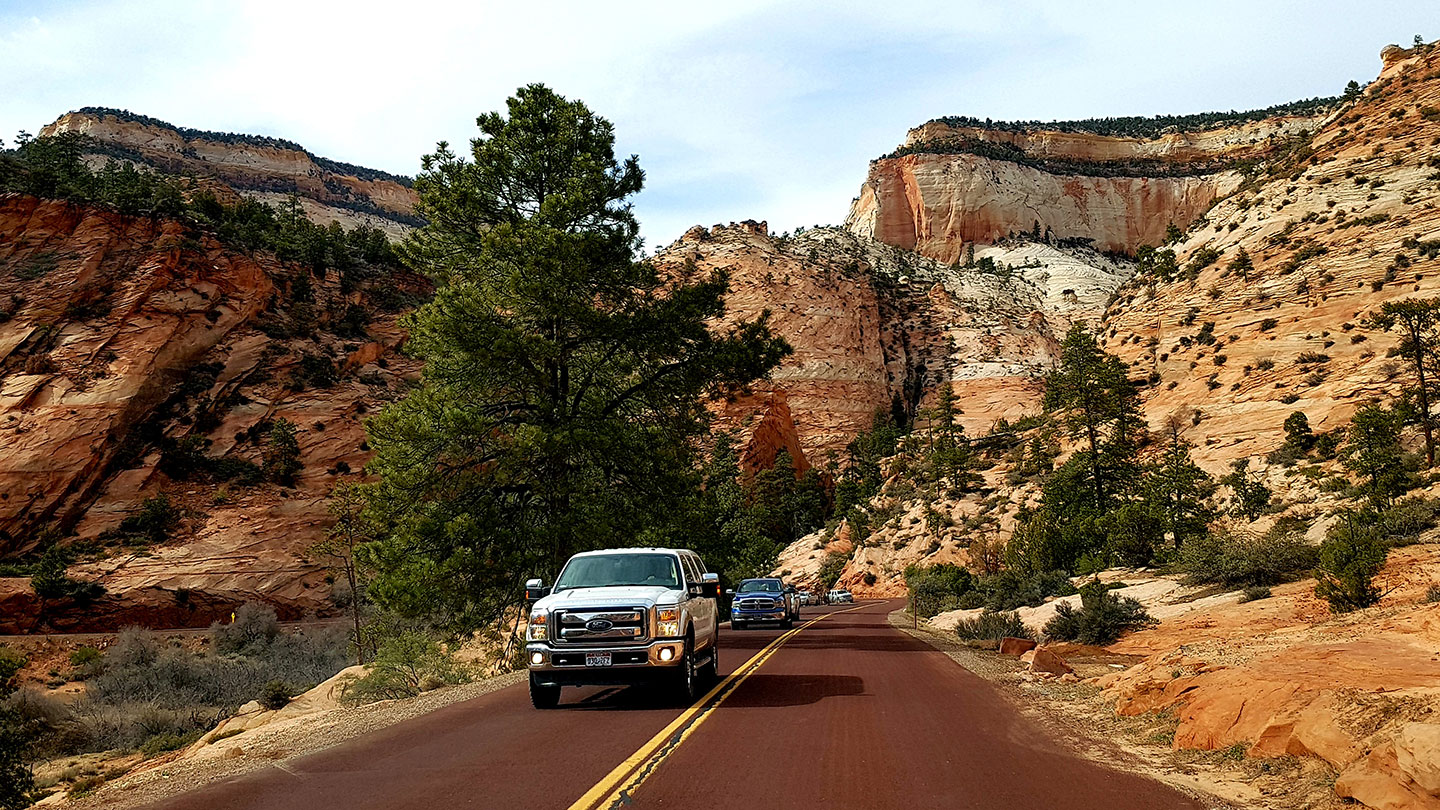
[[761, 690]]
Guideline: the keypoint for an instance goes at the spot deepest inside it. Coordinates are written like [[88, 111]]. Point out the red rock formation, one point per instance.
[[107, 317]]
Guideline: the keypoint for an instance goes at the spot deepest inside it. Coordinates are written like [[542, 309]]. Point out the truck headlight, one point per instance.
[[667, 622], [538, 629]]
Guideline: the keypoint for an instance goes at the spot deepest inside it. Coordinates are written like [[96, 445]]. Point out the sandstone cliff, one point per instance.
[[940, 192], [268, 169], [121, 334], [875, 327]]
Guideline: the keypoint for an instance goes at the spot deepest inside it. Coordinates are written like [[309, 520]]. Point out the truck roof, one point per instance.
[[647, 550]]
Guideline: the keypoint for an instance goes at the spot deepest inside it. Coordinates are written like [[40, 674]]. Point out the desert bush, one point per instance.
[[86, 662], [274, 695], [1237, 559], [1254, 592], [254, 627], [1432, 595], [1352, 554], [1102, 618], [937, 588], [1010, 589], [406, 664], [993, 625]]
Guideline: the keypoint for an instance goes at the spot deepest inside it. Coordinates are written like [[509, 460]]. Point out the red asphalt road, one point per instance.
[[849, 713]]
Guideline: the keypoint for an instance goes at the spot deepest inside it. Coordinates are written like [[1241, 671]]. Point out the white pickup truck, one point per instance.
[[624, 617]]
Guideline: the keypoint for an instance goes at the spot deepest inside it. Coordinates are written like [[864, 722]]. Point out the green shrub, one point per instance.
[[992, 625], [153, 521], [282, 453], [1433, 594], [1350, 557], [1237, 559], [1010, 589], [831, 568], [1254, 592], [86, 662], [406, 664], [1102, 618], [937, 588], [167, 741], [274, 695]]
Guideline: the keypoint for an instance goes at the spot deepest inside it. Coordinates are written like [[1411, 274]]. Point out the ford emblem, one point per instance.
[[599, 625]]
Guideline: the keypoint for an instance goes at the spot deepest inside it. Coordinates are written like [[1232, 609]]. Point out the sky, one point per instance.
[[741, 110]]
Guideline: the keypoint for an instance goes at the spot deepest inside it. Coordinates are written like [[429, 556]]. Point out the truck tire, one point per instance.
[[687, 675], [736, 625], [712, 669], [542, 696]]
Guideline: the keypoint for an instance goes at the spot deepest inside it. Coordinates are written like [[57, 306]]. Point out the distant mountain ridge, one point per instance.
[[258, 166]]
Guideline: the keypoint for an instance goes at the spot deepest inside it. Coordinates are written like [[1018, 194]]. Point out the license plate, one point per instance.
[[597, 659]]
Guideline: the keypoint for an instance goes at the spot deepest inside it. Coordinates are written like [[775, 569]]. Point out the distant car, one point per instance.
[[764, 599], [806, 598], [839, 597], [845, 596]]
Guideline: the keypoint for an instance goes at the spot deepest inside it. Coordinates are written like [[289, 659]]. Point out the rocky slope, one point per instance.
[[1331, 237], [121, 334], [875, 327], [268, 169]]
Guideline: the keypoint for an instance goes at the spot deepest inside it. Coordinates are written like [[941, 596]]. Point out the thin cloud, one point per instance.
[[742, 110]]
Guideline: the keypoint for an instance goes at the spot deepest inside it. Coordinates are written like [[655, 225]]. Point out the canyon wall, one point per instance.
[[268, 169]]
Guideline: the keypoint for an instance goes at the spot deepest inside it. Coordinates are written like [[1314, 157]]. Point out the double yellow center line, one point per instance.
[[619, 786]]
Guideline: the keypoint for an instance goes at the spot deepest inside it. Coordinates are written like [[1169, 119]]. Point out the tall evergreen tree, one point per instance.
[[565, 380], [1372, 451], [1179, 491], [1417, 320], [1101, 408]]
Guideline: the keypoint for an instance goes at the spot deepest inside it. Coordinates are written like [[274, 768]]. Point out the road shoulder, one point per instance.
[[1078, 716]]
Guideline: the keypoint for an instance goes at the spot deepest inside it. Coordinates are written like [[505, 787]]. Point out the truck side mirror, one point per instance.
[[535, 590], [729, 591], [710, 585]]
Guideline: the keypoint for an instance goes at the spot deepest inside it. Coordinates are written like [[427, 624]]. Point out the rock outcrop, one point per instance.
[[268, 169], [125, 334]]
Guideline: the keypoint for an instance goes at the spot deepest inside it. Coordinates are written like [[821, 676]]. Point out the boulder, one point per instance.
[[1041, 659], [1015, 646], [1417, 754]]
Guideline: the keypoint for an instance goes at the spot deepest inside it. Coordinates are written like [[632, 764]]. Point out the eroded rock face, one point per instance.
[[874, 327], [122, 333], [267, 169], [936, 204]]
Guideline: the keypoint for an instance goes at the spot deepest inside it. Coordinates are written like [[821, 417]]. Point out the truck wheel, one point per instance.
[[712, 669], [542, 696], [788, 622], [687, 678]]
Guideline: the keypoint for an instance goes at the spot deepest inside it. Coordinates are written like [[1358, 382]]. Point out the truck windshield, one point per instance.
[[760, 586], [607, 570]]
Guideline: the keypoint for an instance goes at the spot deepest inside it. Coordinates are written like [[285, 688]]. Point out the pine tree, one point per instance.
[[565, 380], [1100, 407], [16, 779], [1180, 491], [1372, 451], [1418, 322]]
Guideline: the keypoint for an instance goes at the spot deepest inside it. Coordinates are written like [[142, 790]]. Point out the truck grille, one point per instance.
[[582, 625], [758, 604]]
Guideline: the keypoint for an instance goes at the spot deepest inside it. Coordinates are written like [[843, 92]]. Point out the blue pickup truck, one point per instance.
[[764, 599]]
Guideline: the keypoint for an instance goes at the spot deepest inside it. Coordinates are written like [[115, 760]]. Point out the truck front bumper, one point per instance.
[[777, 615], [628, 664]]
